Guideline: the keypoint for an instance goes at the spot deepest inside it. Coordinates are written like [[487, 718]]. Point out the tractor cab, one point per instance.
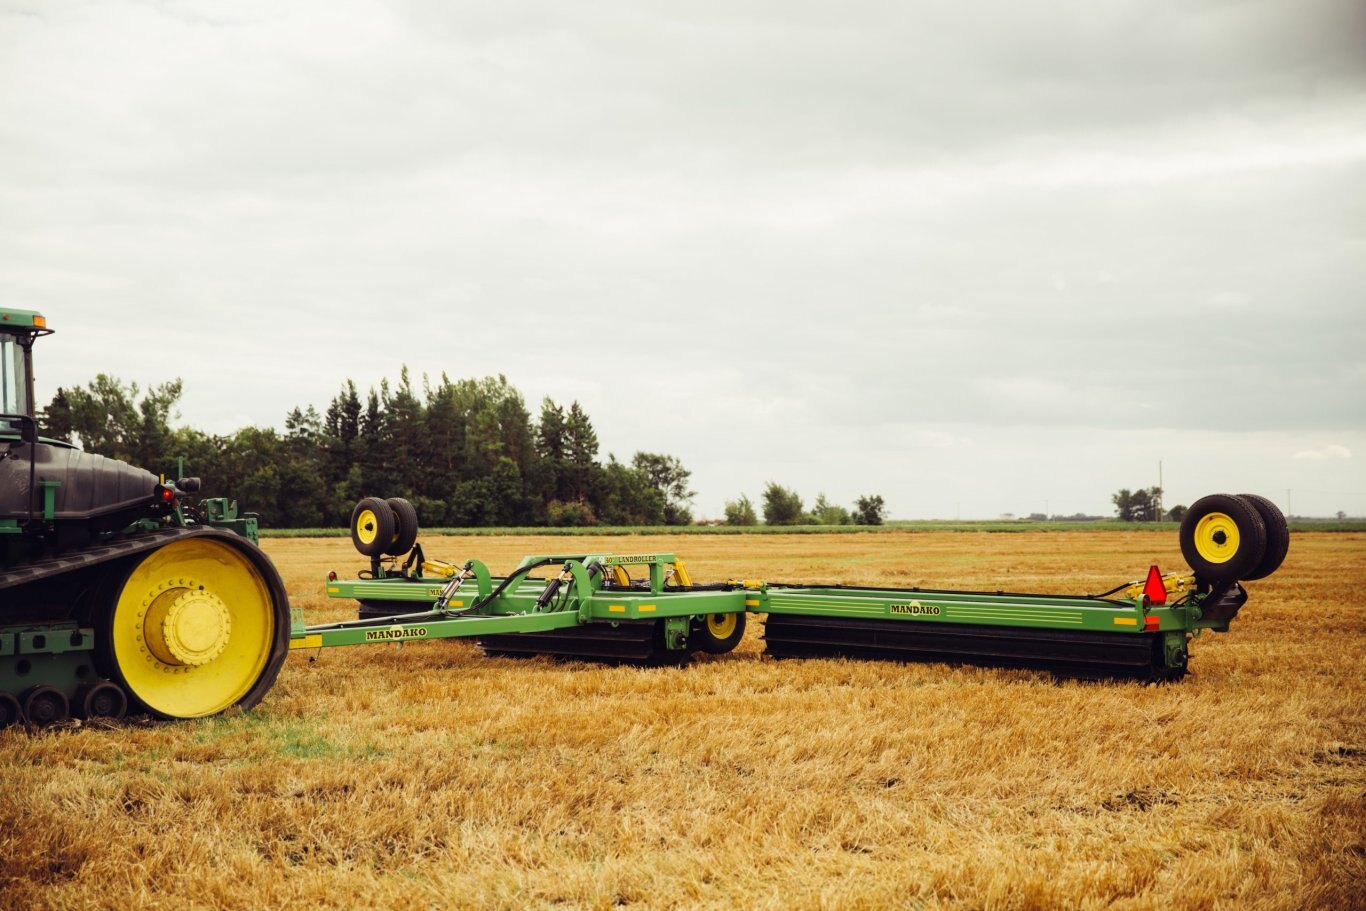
[[18, 329]]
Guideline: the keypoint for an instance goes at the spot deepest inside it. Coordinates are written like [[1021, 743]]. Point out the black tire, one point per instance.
[[1277, 535], [716, 634], [1223, 538], [372, 526], [100, 700], [10, 710], [405, 531], [44, 705]]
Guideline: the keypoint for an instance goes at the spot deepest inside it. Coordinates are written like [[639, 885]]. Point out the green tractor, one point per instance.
[[118, 592]]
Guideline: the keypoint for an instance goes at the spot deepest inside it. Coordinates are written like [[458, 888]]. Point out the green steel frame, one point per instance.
[[480, 605]]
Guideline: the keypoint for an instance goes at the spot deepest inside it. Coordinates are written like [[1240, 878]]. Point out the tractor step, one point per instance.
[[1070, 653], [621, 643]]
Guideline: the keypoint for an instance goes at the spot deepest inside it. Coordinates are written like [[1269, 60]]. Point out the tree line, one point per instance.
[[783, 506], [466, 453]]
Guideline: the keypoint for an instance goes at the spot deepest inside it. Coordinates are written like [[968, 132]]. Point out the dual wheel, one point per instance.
[[382, 527], [1227, 538]]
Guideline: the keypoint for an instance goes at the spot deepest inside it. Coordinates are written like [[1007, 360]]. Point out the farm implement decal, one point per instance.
[[396, 632], [916, 609]]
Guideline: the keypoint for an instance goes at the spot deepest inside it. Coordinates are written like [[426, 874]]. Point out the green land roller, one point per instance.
[[645, 608], [120, 592]]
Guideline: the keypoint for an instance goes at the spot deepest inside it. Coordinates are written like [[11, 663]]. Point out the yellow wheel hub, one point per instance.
[[721, 625], [367, 526], [192, 630], [1216, 538], [187, 625]]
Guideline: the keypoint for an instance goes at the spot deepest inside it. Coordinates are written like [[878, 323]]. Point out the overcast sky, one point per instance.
[[975, 257]]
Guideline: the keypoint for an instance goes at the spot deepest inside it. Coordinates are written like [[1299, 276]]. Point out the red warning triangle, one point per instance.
[[1154, 589]]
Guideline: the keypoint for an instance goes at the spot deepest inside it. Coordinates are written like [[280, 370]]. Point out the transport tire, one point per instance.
[[405, 530], [44, 705], [717, 634], [1277, 535], [10, 710], [1223, 538], [372, 526], [100, 700]]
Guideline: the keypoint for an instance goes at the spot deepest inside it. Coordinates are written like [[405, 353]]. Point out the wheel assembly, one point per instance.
[[199, 625], [100, 700], [1277, 535], [405, 527], [1223, 538], [717, 634], [44, 705], [372, 526]]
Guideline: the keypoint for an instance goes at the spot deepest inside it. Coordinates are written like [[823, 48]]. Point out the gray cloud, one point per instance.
[[940, 251]]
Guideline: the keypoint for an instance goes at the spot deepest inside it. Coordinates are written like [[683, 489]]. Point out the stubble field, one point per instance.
[[434, 777]]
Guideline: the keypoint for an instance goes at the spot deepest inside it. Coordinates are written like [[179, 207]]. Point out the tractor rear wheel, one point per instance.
[[197, 626], [1223, 538], [1277, 535]]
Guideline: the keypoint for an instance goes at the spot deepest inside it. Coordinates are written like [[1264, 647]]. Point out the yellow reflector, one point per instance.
[[646, 608], [313, 641], [1126, 621], [751, 602]]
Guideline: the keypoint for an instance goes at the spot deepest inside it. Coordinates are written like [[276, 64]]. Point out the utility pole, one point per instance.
[[1159, 492]]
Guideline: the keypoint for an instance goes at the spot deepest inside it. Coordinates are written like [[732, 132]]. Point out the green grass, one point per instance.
[[1104, 525]]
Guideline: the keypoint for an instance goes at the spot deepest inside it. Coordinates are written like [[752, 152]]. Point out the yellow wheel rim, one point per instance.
[[192, 629], [1216, 538], [721, 625], [367, 526]]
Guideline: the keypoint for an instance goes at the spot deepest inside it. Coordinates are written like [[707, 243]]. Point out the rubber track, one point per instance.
[[49, 567], [1066, 652]]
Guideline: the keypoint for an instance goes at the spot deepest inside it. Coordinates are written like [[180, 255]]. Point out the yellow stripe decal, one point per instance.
[[333, 591], [457, 604], [646, 608], [751, 602], [617, 608], [1126, 621], [313, 641]]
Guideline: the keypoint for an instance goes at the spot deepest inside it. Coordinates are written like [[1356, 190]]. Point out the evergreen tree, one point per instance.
[[55, 419], [550, 446], [581, 452]]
